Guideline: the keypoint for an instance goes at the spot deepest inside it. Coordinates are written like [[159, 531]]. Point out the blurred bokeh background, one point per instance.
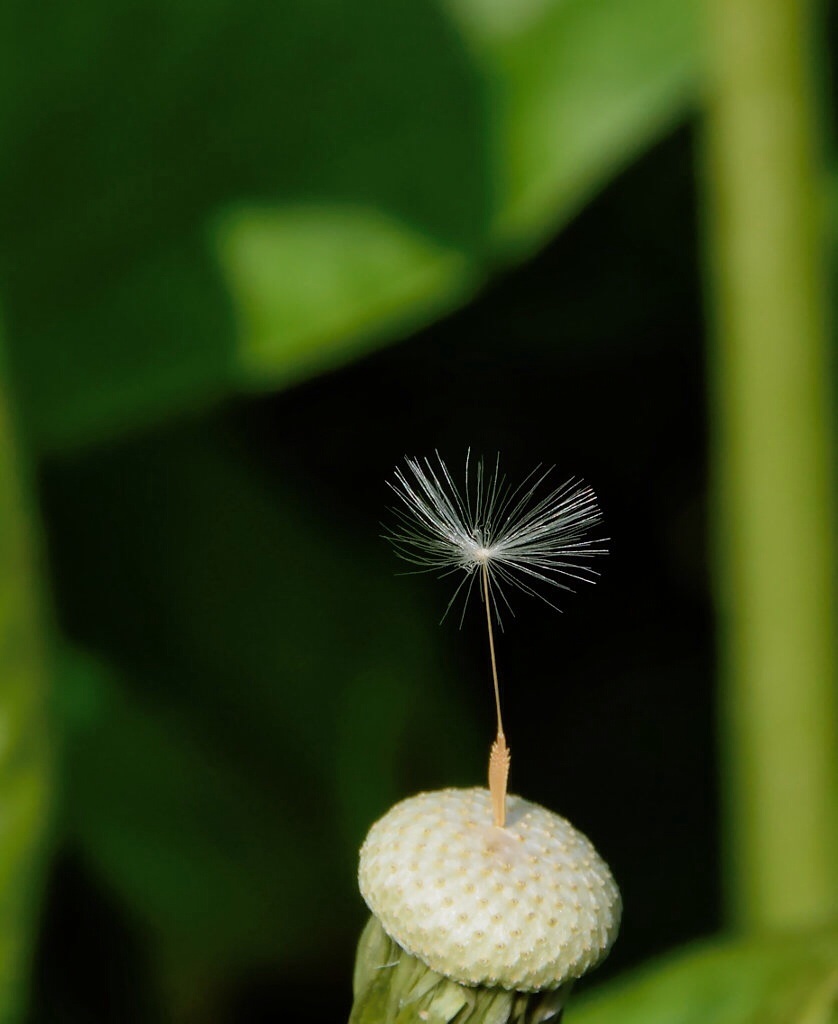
[[252, 255]]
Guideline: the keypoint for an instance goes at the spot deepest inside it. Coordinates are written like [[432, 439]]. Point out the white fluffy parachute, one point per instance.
[[529, 537]]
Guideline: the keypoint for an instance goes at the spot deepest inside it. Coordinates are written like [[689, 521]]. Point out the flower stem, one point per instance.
[[24, 761], [392, 987], [772, 456]]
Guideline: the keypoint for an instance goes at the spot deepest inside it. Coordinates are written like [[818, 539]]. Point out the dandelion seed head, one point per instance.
[[489, 919], [530, 537]]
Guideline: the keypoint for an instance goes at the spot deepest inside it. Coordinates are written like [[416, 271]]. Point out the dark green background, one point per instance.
[[215, 218]]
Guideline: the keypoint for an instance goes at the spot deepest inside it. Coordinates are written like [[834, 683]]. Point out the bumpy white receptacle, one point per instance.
[[524, 907]]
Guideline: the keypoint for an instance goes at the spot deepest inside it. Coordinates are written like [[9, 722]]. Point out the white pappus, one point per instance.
[[520, 536]]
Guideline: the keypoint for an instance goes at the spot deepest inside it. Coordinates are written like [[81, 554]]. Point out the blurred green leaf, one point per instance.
[[201, 854], [266, 685], [314, 284], [579, 88], [24, 758], [783, 981], [250, 192]]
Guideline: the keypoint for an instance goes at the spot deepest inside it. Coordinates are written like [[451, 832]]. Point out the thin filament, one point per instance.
[[499, 756], [486, 601]]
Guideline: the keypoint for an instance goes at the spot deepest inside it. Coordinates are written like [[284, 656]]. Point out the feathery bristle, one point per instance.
[[525, 536]]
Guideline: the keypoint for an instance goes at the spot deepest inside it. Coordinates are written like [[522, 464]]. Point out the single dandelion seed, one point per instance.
[[498, 538]]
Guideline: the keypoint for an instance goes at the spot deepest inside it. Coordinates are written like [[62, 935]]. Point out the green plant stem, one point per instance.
[[772, 457], [392, 987], [24, 760]]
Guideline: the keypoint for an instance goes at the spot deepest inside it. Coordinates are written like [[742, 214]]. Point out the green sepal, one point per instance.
[[393, 987]]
